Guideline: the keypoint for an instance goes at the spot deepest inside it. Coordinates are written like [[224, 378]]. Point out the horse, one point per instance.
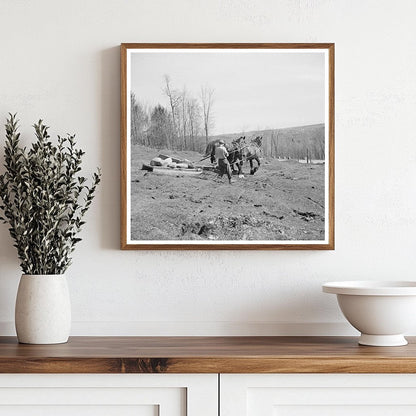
[[235, 152], [252, 152]]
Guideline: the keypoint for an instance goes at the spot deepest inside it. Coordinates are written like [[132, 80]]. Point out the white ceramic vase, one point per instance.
[[43, 309]]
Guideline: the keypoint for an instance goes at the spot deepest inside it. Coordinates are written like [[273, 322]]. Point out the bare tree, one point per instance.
[[184, 114], [274, 144], [139, 121], [174, 100], [207, 100], [320, 153], [194, 115]]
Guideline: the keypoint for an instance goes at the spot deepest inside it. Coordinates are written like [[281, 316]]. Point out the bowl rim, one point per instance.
[[371, 288]]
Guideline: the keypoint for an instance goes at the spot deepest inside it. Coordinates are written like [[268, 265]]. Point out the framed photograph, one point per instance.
[[227, 146]]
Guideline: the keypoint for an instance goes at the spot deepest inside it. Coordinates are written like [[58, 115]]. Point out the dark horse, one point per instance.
[[252, 152], [235, 152]]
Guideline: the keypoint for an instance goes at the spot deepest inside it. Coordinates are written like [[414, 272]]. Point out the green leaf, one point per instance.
[[44, 197]]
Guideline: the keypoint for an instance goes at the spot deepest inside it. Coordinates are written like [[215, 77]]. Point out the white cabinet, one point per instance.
[[109, 395], [197, 395], [317, 394]]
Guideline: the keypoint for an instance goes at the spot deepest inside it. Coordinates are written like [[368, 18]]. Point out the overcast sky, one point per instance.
[[252, 90]]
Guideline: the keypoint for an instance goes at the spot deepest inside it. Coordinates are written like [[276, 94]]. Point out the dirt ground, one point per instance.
[[284, 200]]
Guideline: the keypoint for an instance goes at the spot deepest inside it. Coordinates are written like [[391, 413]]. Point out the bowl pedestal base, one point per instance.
[[382, 340]]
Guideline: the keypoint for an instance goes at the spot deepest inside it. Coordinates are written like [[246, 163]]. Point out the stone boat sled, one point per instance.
[[172, 171], [167, 165]]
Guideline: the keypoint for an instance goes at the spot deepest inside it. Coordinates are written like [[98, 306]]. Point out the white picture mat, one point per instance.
[[130, 52]]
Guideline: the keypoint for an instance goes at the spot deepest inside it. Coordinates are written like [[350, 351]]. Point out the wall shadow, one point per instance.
[[110, 148]]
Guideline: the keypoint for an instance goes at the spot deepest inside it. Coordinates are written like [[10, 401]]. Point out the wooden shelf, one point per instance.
[[206, 355]]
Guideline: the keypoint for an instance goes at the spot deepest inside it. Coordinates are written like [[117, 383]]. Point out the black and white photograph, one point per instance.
[[227, 146]]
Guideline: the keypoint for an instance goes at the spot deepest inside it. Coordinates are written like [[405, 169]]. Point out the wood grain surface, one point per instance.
[[206, 355]]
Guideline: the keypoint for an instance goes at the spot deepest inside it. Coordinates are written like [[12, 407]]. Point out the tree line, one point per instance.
[[184, 124], [302, 142], [305, 142]]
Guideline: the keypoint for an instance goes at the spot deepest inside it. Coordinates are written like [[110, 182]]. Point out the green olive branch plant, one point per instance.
[[44, 198]]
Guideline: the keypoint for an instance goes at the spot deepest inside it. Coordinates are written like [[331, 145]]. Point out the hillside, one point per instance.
[[288, 143]]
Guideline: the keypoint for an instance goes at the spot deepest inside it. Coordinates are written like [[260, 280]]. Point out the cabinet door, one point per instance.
[[318, 394], [108, 395]]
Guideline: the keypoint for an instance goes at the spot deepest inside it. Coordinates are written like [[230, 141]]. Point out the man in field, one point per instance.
[[221, 155]]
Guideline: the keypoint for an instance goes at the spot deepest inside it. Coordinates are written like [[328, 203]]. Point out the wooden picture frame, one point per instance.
[[313, 66]]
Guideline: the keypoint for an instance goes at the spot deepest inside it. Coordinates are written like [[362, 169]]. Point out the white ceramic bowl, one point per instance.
[[381, 311]]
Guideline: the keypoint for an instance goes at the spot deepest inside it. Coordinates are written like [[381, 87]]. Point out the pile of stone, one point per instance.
[[171, 162]]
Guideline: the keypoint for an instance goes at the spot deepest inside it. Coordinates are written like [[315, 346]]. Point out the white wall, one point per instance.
[[60, 61]]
